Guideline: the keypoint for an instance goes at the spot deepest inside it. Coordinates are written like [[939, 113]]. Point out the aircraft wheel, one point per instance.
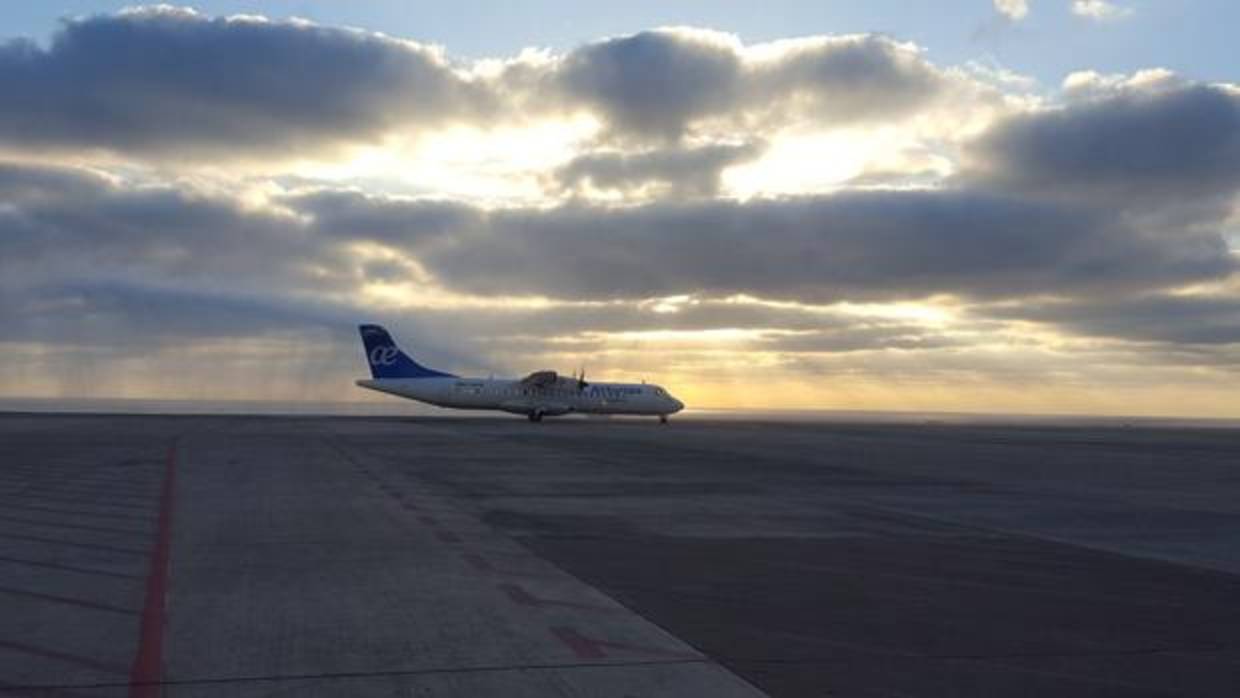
[[662, 419], [536, 416]]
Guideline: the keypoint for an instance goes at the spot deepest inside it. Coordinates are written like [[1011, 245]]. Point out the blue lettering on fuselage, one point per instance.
[[608, 391]]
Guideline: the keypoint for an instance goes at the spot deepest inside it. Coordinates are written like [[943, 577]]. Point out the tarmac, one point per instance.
[[211, 556]]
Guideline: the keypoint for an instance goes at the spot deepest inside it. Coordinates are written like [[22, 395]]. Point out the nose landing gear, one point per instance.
[[662, 419]]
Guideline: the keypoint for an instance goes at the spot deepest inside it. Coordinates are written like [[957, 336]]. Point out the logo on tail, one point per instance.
[[388, 361], [384, 356]]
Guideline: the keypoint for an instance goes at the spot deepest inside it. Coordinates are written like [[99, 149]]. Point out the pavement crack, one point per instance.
[[1208, 649], [344, 675]]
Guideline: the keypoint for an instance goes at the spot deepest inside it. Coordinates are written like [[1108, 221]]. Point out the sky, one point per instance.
[[984, 205]]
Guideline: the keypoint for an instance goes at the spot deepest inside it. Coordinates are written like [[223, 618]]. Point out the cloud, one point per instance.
[[858, 337], [170, 79], [869, 245], [352, 215], [654, 82], [846, 78], [657, 85], [62, 224], [100, 270], [131, 314], [1099, 9], [1099, 212], [68, 229], [1011, 11], [676, 171], [1204, 319], [1014, 10], [1090, 84], [1141, 143], [245, 87]]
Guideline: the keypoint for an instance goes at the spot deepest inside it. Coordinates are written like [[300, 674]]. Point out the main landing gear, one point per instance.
[[536, 416]]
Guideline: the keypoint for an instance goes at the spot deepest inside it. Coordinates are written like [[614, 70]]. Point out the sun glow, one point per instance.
[[803, 163], [808, 162], [489, 166]]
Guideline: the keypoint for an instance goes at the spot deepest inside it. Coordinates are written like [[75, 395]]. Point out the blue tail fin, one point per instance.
[[388, 361]]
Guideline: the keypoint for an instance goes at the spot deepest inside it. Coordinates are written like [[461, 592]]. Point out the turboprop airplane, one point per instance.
[[540, 394]]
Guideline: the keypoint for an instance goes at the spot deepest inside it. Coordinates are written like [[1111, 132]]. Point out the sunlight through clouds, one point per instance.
[[868, 223]]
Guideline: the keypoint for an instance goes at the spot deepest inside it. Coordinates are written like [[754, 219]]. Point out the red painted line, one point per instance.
[[582, 647], [519, 595], [589, 648], [448, 536], [147, 669], [62, 656]]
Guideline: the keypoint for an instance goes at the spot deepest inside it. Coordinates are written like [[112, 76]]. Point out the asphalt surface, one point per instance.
[[260, 556]]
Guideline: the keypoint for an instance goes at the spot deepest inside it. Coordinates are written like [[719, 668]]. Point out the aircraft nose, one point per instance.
[[678, 405]]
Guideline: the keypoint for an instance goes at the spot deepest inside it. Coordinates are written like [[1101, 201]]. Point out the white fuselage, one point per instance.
[[519, 397]]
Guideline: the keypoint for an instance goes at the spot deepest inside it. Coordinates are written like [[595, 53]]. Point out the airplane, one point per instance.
[[540, 394]]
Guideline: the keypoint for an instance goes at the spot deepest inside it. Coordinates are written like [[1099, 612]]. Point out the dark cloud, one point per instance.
[[673, 171], [655, 85], [164, 80], [135, 319], [28, 182], [1135, 147], [602, 318], [65, 230], [1089, 217], [1175, 319], [354, 215], [170, 79], [845, 79], [96, 337], [73, 225], [859, 337], [872, 245], [129, 314]]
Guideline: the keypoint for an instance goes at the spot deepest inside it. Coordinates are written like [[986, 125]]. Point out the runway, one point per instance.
[[213, 556]]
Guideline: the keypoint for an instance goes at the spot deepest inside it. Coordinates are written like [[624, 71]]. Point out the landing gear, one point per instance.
[[536, 416], [662, 419]]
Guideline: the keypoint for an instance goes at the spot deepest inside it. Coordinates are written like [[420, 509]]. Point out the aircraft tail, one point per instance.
[[388, 361]]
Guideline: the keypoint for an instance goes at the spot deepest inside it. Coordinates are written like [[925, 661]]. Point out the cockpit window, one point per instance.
[[658, 391]]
